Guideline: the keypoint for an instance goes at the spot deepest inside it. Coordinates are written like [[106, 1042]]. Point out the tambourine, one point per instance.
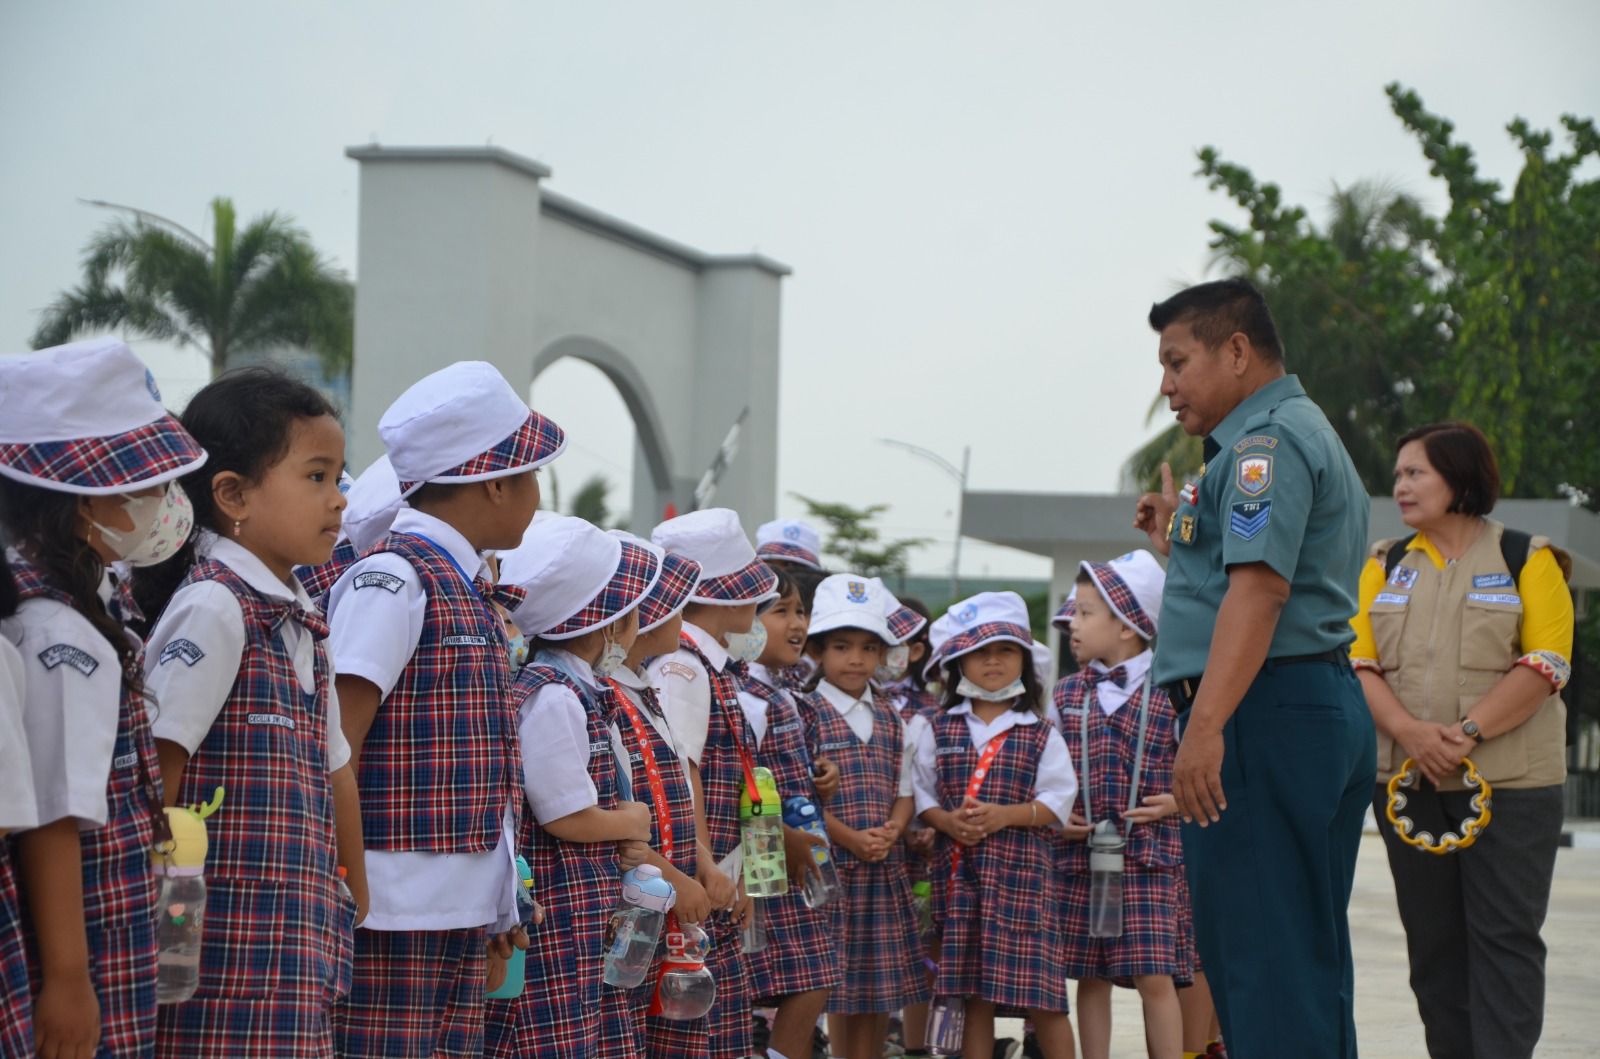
[[1409, 776]]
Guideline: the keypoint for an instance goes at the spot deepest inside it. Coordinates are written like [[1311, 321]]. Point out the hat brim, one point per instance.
[[1120, 598], [637, 573], [153, 454], [905, 623], [782, 552], [679, 576], [844, 619], [969, 640], [755, 583], [532, 445]]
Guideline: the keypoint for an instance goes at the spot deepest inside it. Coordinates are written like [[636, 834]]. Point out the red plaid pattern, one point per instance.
[[1112, 743], [636, 575], [16, 1010], [905, 623], [968, 640], [1002, 921], [535, 443], [911, 699], [674, 778], [1151, 941], [753, 584], [1122, 599], [276, 931], [318, 579], [1063, 618], [679, 576], [1188, 950], [728, 1021], [148, 455], [560, 1013], [874, 930], [415, 995], [784, 552], [441, 761]]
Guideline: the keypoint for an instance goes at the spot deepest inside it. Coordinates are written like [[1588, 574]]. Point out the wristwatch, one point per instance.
[[1470, 727]]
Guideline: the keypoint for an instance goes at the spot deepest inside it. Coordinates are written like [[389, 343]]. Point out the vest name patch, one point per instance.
[[1397, 598], [64, 654], [947, 751], [839, 745], [792, 726], [186, 651], [270, 720], [378, 579], [1492, 581], [465, 641], [600, 746], [125, 761], [1494, 597]]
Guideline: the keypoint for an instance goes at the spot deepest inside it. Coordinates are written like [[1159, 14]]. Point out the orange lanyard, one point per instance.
[[979, 774], [658, 788]]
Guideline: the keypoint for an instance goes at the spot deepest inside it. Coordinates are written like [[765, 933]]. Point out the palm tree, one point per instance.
[[250, 291]]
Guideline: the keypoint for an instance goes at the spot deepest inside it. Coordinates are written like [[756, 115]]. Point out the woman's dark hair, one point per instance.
[[1463, 458], [244, 420], [43, 525], [1030, 701]]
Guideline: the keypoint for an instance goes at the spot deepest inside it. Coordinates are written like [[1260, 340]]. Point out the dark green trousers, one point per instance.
[[1271, 880]]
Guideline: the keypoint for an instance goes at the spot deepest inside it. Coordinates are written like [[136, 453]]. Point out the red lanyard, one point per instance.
[[658, 788], [745, 760], [979, 774]]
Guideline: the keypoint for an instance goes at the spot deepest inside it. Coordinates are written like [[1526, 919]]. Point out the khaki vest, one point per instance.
[[1444, 638]]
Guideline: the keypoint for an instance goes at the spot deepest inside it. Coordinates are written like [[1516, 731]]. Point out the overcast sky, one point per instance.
[[980, 201]]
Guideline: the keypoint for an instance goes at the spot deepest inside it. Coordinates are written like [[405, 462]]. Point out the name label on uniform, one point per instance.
[[1404, 576], [679, 670], [378, 579], [600, 746], [1074, 711], [792, 726], [842, 744], [947, 751], [465, 641], [1256, 441], [1398, 598], [1249, 518], [124, 761], [186, 651], [1494, 597], [270, 720], [1492, 581], [64, 654]]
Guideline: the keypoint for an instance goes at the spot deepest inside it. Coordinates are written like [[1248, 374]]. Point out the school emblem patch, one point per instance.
[[968, 614], [64, 654], [1404, 576], [855, 591], [791, 533], [1253, 475]]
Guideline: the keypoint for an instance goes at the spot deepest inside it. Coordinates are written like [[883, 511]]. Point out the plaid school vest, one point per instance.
[[911, 700], [721, 773], [441, 762], [784, 749], [117, 882], [318, 579], [1113, 742], [674, 777], [270, 866], [870, 771]]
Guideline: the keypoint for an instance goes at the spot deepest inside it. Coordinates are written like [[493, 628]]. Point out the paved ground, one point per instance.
[[1386, 1013]]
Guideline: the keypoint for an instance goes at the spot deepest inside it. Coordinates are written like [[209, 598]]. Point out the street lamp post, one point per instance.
[[960, 475]]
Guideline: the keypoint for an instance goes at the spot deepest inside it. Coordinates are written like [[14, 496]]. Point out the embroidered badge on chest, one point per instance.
[[1253, 475], [378, 579], [1404, 576], [1492, 581], [1249, 518], [679, 670], [64, 654], [186, 651]]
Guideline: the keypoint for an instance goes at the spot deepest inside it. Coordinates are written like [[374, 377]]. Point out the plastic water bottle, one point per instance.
[[822, 885], [180, 916], [1105, 881], [635, 925], [686, 989], [753, 935], [761, 839], [947, 1021], [922, 903], [516, 966]]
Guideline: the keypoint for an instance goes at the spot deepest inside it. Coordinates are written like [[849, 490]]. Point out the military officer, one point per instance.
[[1277, 759]]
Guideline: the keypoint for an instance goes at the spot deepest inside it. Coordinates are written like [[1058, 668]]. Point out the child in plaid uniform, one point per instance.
[[701, 701], [17, 812], [992, 778], [246, 704], [423, 682], [87, 458], [799, 966], [1128, 723], [583, 590], [874, 929]]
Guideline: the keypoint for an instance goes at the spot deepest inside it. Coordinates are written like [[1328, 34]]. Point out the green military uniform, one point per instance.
[[1271, 881]]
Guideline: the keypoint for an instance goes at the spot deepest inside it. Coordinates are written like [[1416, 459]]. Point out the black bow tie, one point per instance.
[[1117, 676]]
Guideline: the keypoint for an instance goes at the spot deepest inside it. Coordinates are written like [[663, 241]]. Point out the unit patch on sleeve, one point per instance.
[[679, 670], [1249, 518], [1256, 441], [377, 579], [1252, 475], [64, 654], [186, 651]]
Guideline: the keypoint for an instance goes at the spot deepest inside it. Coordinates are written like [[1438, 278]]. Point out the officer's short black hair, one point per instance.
[[1218, 309], [1463, 458]]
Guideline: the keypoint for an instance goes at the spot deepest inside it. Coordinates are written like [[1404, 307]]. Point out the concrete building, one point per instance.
[[464, 254]]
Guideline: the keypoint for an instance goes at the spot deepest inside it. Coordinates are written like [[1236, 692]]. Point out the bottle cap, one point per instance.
[[767, 787], [524, 873], [922, 888], [644, 886]]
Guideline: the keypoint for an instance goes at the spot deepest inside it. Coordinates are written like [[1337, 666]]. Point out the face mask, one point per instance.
[[161, 525], [517, 648], [895, 662], [611, 657], [747, 646], [968, 690]]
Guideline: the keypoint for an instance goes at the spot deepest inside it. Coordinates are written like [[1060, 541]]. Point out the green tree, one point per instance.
[[859, 547], [592, 502], [247, 291]]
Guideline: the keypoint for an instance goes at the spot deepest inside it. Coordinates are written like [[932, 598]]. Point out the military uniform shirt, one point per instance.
[[1278, 488]]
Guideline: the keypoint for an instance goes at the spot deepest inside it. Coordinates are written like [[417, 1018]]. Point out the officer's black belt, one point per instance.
[[1183, 692]]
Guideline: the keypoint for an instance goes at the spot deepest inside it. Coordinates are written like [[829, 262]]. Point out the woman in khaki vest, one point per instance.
[[1461, 654]]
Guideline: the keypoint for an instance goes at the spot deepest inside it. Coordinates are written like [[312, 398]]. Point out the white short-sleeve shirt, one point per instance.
[[553, 728], [17, 809], [376, 626], [1055, 783], [634, 685], [193, 655], [686, 689]]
